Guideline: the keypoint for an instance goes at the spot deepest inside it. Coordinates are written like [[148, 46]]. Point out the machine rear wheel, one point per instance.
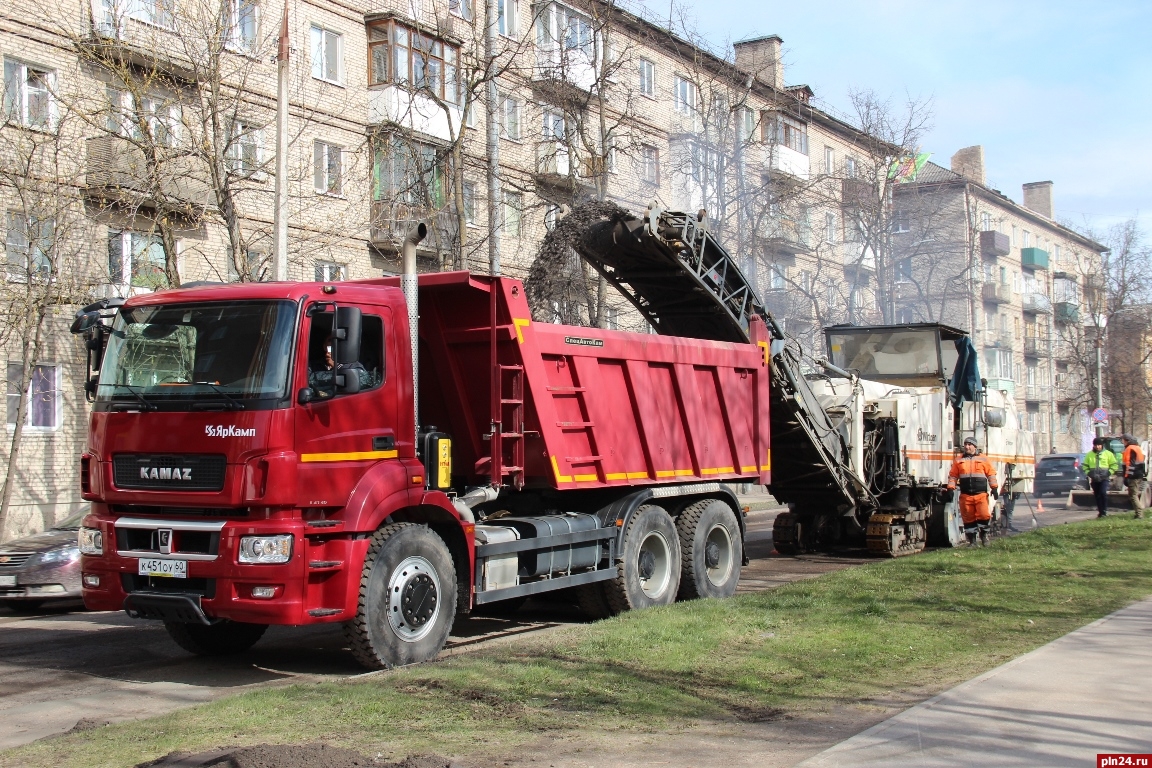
[[221, 639], [407, 598], [649, 573], [710, 551]]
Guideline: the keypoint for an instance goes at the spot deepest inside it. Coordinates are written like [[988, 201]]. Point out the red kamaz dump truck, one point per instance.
[[265, 454]]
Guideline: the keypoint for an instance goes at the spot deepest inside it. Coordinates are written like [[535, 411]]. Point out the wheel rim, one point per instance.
[[654, 564], [413, 599], [718, 555]]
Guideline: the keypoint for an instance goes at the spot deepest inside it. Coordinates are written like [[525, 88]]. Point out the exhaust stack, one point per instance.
[[410, 287]]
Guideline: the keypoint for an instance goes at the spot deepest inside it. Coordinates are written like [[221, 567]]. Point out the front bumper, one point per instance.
[[220, 585], [51, 581]]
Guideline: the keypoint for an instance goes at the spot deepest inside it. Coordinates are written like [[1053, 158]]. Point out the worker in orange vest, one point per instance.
[[976, 478], [1135, 474]]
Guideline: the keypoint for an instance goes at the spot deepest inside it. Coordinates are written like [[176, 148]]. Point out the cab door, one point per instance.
[[340, 436]]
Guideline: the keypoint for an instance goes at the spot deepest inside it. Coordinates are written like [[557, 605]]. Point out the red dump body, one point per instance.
[[583, 407]]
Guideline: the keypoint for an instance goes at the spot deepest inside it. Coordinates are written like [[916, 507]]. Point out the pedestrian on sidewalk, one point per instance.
[[977, 478], [1100, 464], [1135, 474]]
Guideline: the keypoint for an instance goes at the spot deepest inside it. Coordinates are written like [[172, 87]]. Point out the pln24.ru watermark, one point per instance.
[[1108, 761]]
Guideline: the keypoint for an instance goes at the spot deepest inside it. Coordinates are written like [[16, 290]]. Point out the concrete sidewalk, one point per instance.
[[1088, 692]]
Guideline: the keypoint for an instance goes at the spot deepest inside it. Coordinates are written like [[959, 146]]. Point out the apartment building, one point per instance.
[[153, 123], [967, 255]]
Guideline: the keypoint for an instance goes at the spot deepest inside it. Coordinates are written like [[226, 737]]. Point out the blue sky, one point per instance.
[[1056, 91]]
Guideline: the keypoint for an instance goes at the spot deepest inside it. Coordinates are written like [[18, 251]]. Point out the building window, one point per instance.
[[402, 56], [900, 222], [647, 78], [43, 393], [829, 160], [461, 8], [551, 217], [326, 53], [27, 243], [829, 227], [985, 222], [136, 260], [904, 270], [330, 272], [327, 166], [649, 164], [1026, 239], [257, 267], [506, 17], [850, 167], [776, 277], [684, 96], [408, 172], [241, 17], [806, 280], [470, 203], [513, 210], [1015, 236], [245, 154], [510, 118], [28, 95], [785, 132]]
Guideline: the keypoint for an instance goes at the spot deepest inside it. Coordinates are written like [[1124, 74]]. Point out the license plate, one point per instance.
[[7, 581], [1055, 474], [173, 569]]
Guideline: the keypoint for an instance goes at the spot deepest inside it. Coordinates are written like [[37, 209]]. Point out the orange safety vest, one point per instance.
[[1133, 462], [974, 474]]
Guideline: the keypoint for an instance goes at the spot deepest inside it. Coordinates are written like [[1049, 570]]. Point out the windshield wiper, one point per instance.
[[236, 404], [148, 405]]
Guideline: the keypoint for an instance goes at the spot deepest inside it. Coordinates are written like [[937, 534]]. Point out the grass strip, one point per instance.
[[922, 623]]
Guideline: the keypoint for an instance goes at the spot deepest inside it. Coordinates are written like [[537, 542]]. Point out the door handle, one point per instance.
[[385, 443]]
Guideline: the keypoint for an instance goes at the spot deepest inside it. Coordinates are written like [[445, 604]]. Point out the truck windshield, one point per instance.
[[197, 352]]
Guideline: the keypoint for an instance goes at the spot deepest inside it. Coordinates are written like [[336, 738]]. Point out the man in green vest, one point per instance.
[[1100, 464]]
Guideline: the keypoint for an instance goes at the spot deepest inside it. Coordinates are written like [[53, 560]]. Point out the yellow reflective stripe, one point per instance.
[[354, 456], [521, 323], [556, 470], [719, 471]]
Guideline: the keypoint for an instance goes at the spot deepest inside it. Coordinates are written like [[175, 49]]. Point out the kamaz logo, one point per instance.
[[165, 473], [925, 437], [219, 430]]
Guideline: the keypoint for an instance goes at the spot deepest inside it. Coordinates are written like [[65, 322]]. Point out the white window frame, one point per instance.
[[128, 244], [234, 37], [57, 393], [850, 167], [685, 96], [243, 136], [461, 9], [829, 160], [901, 222], [777, 277], [259, 264], [650, 164], [830, 227], [985, 222], [507, 21], [318, 37], [512, 221], [322, 165], [17, 105], [511, 118], [647, 72], [330, 271], [20, 224]]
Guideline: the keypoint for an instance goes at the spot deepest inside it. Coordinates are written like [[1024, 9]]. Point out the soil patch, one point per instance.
[[292, 756]]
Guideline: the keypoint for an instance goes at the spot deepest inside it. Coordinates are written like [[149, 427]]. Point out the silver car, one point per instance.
[[41, 567]]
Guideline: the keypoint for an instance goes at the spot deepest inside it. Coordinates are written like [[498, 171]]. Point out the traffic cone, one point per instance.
[[1039, 505]]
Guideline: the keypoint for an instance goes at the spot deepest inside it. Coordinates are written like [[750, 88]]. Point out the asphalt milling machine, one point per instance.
[[863, 440]]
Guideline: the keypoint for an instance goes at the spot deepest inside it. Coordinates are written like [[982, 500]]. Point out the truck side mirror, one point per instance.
[[348, 348], [348, 382]]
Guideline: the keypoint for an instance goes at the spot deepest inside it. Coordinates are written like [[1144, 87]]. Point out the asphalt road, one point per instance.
[[60, 666]]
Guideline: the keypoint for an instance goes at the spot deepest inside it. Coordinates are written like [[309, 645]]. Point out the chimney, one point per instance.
[[760, 57], [969, 163], [1038, 198]]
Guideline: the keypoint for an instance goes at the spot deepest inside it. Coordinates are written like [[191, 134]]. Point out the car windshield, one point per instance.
[[188, 352], [1059, 461], [891, 354]]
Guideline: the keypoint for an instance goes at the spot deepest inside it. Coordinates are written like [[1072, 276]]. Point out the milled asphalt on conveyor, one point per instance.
[[59, 667]]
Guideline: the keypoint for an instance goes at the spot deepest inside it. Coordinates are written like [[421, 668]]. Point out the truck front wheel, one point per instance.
[[649, 571], [220, 639], [407, 598], [710, 550]]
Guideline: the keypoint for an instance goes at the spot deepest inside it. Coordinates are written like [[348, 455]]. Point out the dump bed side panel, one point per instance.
[[590, 408]]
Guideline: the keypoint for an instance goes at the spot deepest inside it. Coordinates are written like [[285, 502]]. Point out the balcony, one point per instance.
[[1034, 346], [857, 258], [997, 293], [1067, 312], [117, 171], [998, 339], [1034, 258], [781, 235], [392, 222], [993, 244], [1034, 392], [414, 111], [1037, 303], [789, 162], [1004, 385]]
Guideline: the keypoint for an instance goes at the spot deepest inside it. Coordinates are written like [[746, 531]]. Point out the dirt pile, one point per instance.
[[292, 756]]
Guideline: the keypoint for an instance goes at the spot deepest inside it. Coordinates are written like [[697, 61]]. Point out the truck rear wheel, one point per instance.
[[407, 598], [220, 639], [710, 550], [649, 571]]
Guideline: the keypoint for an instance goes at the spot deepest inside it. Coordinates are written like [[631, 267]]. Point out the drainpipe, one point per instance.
[[410, 287]]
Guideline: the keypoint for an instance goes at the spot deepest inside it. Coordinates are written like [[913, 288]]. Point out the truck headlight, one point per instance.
[[266, 549], [91, 541]]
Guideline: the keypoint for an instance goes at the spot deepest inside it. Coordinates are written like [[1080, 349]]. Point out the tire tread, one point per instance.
[[356, 630]]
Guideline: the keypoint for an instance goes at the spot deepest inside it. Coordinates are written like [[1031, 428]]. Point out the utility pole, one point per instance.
[[1099, 376], [492, 136], [280, 218]]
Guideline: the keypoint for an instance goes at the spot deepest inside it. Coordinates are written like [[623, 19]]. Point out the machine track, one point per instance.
[[893, 535]]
